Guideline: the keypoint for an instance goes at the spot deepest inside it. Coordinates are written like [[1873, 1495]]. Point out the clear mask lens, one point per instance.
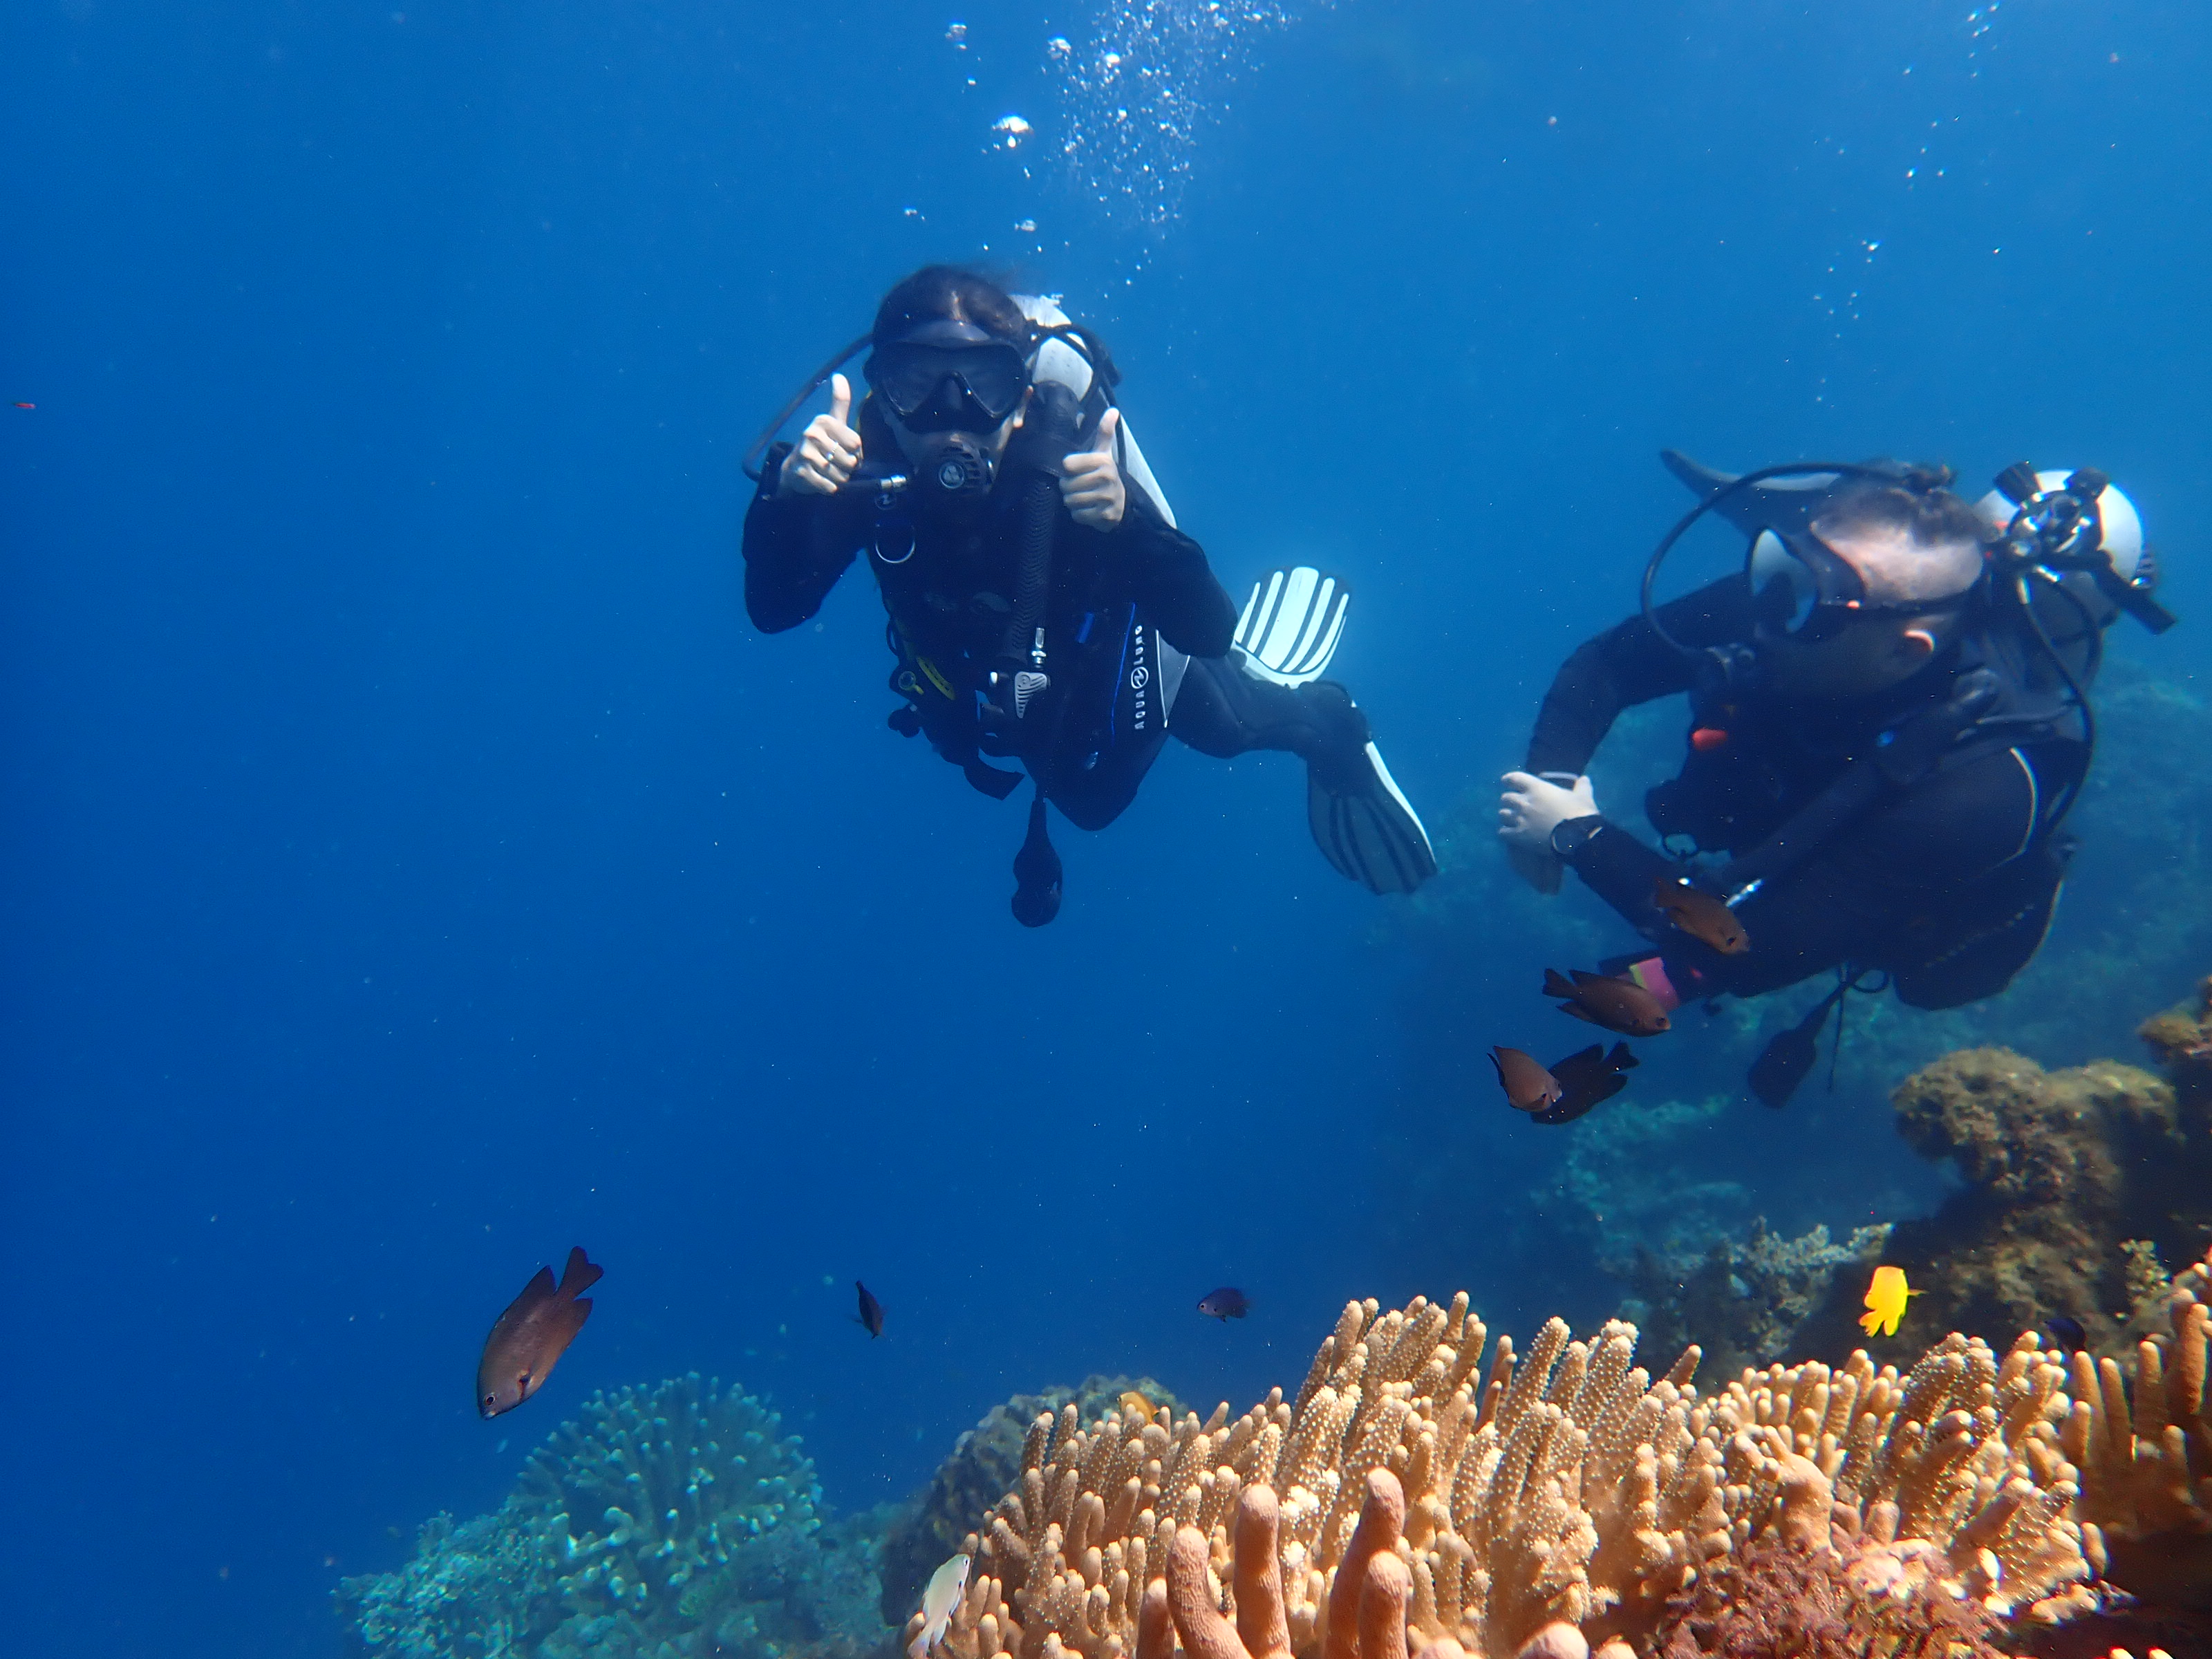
[[913, 378], [1784, 593]]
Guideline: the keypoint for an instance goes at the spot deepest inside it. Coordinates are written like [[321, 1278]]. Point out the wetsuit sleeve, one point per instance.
[[1876, 890], [795, 549], [1174, 588], [1625, 666]]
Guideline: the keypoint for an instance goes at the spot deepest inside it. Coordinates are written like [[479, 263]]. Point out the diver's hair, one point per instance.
[[938, 292], [1944, 538]]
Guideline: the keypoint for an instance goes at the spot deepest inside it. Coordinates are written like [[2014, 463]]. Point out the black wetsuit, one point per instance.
[[1943, 872], [1115, 597]]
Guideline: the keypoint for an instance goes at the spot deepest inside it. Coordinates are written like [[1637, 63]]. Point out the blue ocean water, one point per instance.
[[416, 864]]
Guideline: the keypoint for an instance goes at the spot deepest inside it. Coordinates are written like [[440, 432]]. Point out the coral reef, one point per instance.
[[2075, 1181], [1778, 1599], [673, 1522], [2181, 1038], [466, 1592], [2131, 933], [2145, 1455], [1569, 1489], [985, 1463], [1745, 1298]]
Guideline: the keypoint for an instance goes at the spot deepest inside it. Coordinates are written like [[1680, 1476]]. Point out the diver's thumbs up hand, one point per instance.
[[1090, 480], [827, 452]]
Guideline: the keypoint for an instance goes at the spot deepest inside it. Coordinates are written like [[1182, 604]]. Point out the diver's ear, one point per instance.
[[1919, 642]]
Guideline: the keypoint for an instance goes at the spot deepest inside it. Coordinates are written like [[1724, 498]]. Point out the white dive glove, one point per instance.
[[1533, 806]]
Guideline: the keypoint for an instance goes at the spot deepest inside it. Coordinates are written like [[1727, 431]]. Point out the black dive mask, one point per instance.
[[1803, 589], [952, 386]]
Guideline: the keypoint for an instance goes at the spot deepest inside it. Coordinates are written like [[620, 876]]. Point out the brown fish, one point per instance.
[[1700, 916], [1618, 1005], [533, 1334], [1529, 1087], [871, 1316], [1587, 1076]]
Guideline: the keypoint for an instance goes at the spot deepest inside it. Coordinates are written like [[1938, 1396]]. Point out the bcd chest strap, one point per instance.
[[1898, 758]]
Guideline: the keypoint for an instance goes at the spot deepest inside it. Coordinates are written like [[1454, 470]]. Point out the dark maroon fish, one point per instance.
[[1700, 916], [1618, 1005], [1587, 1076], [533, 1334], [1226, 1303], [872, 1311], [1529, 1087]]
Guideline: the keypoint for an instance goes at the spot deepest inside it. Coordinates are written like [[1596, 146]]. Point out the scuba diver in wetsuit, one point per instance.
[[1889, 721], [1044, 608]]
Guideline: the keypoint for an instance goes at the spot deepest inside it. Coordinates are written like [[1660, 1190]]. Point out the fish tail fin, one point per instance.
[[580, 1274], [1554, 985], [1620, 1059]]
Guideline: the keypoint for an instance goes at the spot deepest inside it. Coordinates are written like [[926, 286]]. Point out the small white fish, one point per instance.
[[946, 1586]]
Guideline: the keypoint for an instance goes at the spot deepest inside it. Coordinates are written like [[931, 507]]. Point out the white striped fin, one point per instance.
[[1291, 624]]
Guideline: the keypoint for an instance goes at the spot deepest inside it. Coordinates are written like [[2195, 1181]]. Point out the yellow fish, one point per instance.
[[1885, 1298], [1134, 1406]]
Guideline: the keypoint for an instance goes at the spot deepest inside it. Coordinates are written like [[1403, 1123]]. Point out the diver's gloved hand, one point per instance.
[[1529, 809], [828, 451], [1090, 479]]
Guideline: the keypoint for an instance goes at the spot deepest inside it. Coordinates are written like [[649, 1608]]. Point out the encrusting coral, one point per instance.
[[668, 1521], [2075, 1181], [1569, 1490]]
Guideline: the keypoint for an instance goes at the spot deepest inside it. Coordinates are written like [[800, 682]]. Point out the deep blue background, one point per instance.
[[413, 864]]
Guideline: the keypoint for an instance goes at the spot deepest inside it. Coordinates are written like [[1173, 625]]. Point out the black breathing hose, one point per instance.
[[1049, 431]]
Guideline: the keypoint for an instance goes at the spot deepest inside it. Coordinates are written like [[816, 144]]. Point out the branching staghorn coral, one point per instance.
[[2146, 1461], [1567, 1489], [651, 1488], [982, 1464], [667, 1521]]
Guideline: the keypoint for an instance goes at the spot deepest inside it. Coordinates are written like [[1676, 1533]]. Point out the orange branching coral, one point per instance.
[[2146, 1459], [1569, 1490]]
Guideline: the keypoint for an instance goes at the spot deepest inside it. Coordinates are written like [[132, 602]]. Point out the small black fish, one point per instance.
[[2066, 1333], [872, 1312], [528, 1340], [1226, 1303], [1587, 1076]]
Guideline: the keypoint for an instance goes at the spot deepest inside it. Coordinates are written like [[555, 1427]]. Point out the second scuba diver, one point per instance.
[[1044, 608], [1889, 721]]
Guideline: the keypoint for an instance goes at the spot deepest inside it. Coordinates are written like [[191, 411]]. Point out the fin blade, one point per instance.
[[1291, 626]]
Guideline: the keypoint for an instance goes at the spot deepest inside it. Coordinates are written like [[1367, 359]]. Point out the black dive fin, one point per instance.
[[1779, 503]]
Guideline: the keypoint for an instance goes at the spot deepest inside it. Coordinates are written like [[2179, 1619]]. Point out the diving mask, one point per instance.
[[949, 376], [1803, 589]]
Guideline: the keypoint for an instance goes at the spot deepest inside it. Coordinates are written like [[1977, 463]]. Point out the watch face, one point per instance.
[[1570, 837]]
